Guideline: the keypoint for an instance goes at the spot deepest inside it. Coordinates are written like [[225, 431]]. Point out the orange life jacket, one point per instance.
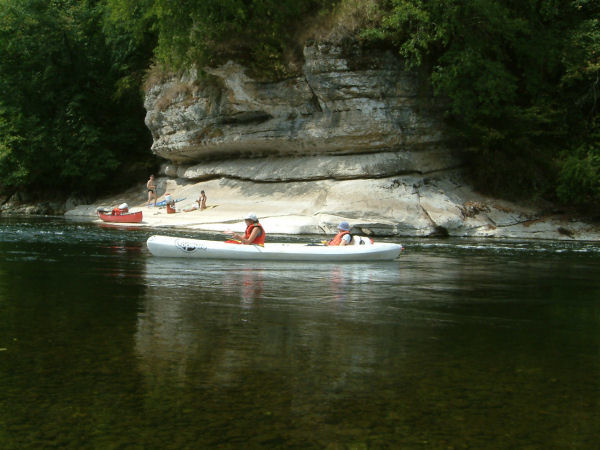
[[116, 212], [337, 240], [260, 240]]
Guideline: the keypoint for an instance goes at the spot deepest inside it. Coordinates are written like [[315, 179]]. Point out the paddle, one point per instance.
[[164, 202]]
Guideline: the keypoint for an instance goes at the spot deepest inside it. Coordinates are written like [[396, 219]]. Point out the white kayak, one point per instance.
[[173, 247]]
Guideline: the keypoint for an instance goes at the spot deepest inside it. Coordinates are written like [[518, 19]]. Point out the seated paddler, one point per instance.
[[255, 233], [343, 237]]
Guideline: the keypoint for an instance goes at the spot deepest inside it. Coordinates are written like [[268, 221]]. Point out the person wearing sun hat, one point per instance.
[[343, 237], [255, 233]]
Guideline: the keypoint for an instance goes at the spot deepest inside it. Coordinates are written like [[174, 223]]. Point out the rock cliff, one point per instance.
[[335, 107], [355, 136]]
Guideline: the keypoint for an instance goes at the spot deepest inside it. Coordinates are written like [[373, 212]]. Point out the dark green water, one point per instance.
[[458, 343]]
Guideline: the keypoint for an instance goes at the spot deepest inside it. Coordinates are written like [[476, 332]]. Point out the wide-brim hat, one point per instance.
[[251, 216]]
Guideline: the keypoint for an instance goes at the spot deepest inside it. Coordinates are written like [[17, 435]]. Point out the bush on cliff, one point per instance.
[[208, 32], [521, 78]]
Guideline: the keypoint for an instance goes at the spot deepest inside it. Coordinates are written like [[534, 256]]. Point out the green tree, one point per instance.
[[520, 79], [579, 162], [258, 33], [71, 119]]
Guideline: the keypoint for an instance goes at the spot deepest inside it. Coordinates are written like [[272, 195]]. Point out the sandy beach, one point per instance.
[[218, 219], [227, 205], [370, 206]]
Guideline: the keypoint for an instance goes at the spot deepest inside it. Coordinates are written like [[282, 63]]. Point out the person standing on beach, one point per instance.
[[151, 190]]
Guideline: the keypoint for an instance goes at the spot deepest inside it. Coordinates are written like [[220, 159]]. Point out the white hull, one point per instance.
[[173, 247]]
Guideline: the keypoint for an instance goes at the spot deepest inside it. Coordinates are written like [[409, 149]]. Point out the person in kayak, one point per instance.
[[343, 237], [255, 233]]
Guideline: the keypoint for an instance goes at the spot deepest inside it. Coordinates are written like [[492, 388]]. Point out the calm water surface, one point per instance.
[[458, 343]]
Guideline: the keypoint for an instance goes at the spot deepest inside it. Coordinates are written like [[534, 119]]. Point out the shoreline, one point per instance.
[[215, 221], [275, 225], [372, 208]]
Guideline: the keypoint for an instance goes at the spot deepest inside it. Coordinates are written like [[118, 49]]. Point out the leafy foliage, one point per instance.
[[256, 32], [69, 119], [580, 176], [521, 79]]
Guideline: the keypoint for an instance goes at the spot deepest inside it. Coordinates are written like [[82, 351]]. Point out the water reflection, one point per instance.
[[222, 319], [251, 285], [456, 344], [253, 281]]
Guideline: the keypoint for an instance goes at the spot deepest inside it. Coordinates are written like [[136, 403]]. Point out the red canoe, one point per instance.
[[135, 217]]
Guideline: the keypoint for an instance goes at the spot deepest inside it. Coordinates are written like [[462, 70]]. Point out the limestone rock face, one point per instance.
[[338, 105], [353, 137]]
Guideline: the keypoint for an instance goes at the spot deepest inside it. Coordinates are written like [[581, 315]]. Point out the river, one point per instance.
[[457, 343]]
